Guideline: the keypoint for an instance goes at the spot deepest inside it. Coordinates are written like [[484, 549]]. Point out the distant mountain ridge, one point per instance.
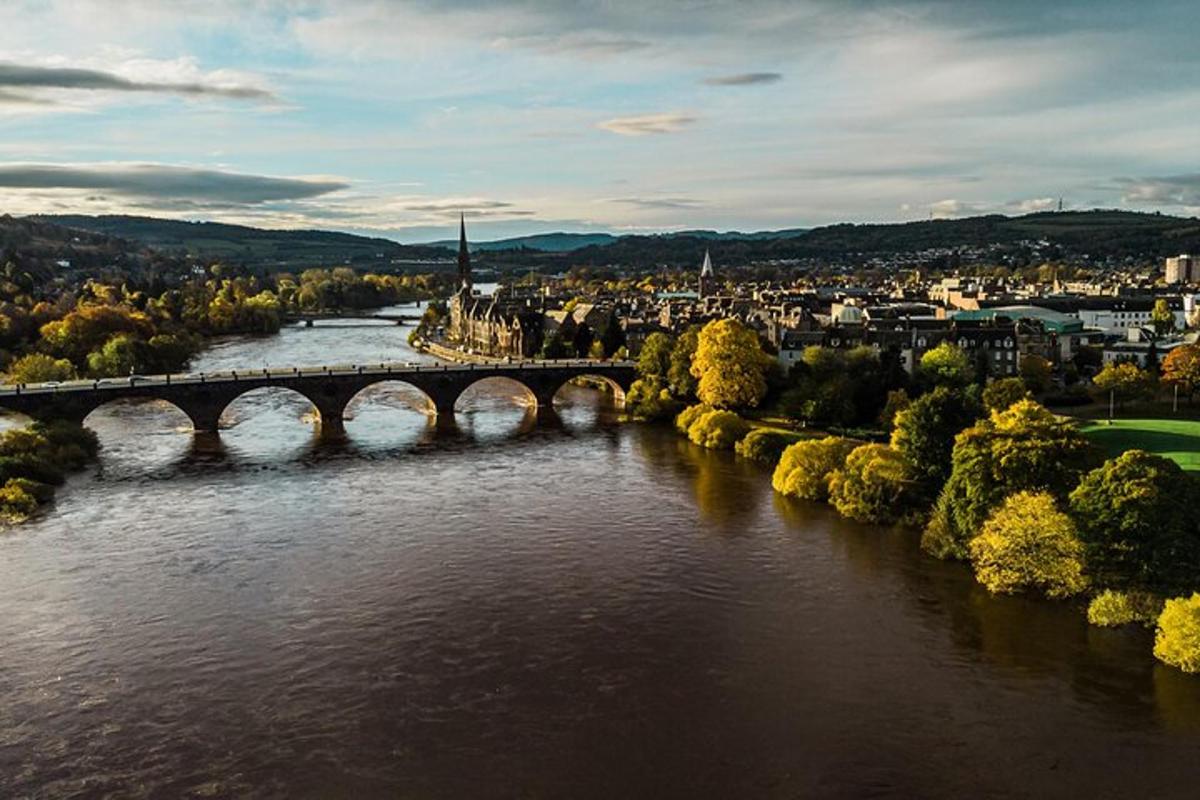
[[242, 243], [1097, 234]]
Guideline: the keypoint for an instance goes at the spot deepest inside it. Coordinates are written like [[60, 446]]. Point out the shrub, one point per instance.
[[1111, 608], [16, 502], [871, 485], [687, 417], [718, 430], [1177, 640], [765, 445], [650, 399], [1028, 544], [804, 467]]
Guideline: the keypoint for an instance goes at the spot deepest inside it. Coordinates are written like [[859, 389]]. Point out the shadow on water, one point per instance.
[[1030, 639]]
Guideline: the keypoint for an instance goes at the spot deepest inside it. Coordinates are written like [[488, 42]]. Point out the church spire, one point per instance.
[[464, 254], [706, 276]]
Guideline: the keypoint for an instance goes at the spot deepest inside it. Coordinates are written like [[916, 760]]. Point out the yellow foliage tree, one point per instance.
[[870, 486], [730, 366], [804, 468], [1028, 544], [1177, 640]]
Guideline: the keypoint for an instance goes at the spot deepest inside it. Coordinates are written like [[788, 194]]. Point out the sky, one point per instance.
[[392, 117]]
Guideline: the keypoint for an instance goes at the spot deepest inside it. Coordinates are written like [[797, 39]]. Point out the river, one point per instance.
[[507, 609]]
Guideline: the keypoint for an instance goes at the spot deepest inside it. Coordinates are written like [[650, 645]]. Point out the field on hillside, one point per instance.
[[1175, 439]]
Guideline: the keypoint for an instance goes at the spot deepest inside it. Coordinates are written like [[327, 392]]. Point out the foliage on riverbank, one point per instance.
[[35, 459], [995, 478], [104, 329]]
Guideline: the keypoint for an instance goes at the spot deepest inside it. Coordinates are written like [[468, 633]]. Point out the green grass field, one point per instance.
[[1178, 440]]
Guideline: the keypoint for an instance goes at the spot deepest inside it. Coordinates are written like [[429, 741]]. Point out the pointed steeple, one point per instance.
[[706, 276], [464, 254]]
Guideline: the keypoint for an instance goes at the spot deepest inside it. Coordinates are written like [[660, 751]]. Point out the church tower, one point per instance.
[[464, 255], [707, 278]]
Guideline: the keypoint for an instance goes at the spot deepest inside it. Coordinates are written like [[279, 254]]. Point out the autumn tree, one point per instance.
[[804, 468], [1181, 367], [1028, 544], [1162, 317], [39, 368], [729, 366], [872, 485], [1024, 448], [1125, 381]]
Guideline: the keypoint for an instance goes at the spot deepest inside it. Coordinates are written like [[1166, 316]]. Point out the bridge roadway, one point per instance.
[[204, 396]]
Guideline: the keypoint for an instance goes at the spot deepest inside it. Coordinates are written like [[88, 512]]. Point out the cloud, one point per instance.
[[744, 79], [36, 77], [164, 183], [659, 202], [450, 208], [1177, 190], [647, 123], [587, 45]]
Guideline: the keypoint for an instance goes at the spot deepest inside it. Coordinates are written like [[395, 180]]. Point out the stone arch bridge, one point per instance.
[[204, 396]]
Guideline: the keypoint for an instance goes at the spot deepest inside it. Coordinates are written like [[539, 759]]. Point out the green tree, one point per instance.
[[1024, 448], [654, 360], [1136, 517], [730, 366], [999, 395], [946, 365], [804, 468], [649, 399], [118, 356], [1162, 318], [1125, 381], [871, 486], [765, 445], [679, 374], [1036, 372], [924, 433], [40, 368], [1027, 544]]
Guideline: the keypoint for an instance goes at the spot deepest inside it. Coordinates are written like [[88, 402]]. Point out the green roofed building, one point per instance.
[[1052, 321]]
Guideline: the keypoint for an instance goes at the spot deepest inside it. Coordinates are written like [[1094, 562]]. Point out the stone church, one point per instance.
[[502, 324]]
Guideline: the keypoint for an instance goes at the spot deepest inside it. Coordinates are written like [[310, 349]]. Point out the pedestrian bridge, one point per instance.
[[204, 396]]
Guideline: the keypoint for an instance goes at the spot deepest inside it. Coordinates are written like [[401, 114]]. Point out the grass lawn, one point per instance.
[[1176, 439]]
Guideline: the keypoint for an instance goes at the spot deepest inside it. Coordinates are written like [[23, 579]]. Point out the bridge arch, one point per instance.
[[380, 385], [321, 408], [612, 386], [534, 398], [158, 406]]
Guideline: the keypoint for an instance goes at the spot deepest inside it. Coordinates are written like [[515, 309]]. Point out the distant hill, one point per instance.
[[1093, 234], [250, 246], [57, 250], [568, 242], [543, 242], [1099, 235]]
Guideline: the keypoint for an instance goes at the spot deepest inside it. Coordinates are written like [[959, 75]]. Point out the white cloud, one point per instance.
[[644, 124]]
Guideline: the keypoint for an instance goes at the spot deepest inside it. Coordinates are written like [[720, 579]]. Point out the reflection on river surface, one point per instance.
[[570, 607]]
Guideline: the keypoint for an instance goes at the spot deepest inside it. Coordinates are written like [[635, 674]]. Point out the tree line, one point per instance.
[[987, 474]]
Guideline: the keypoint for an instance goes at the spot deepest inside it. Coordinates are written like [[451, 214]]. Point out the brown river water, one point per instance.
[[523, 608]]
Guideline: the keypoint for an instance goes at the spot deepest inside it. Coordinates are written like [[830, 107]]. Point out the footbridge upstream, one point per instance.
[[204, 396]]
